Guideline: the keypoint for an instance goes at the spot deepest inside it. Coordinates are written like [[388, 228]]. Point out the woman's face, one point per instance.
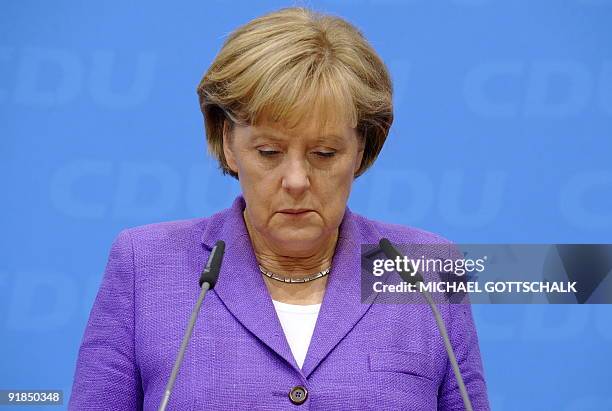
[[295, 182]]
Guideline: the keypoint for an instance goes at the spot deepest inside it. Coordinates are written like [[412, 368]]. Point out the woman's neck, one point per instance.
[[311, 292], [279, 262]]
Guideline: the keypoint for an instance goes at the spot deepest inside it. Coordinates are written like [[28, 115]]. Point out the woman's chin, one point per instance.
[[299, 244]]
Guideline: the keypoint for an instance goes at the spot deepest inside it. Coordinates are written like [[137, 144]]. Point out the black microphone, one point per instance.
[[208, 279], [213, 266], [415, 277]]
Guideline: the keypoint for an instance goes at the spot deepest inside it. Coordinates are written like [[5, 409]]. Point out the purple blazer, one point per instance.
[[362, 356]]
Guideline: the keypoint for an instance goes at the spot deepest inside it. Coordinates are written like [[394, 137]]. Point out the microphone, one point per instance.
[[392, 253], [213, 266], [207, 281]]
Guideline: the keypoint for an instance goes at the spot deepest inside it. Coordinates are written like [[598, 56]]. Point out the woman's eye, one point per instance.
[[268, 153], [325, 154], [272, 153]]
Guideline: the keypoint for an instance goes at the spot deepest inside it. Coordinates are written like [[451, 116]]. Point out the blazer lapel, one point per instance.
[[242, 290], [240, 285], [342, 307]]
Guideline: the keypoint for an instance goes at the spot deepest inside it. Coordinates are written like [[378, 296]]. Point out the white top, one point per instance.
[[298, 322]]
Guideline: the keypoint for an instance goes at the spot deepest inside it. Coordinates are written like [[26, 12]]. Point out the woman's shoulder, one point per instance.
[[218, 225], [172, 233], [373, 230], [175, 229]]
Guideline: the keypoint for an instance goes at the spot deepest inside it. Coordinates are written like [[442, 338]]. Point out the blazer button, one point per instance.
[[298, 395]]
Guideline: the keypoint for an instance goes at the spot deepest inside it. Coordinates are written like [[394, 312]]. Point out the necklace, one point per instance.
[[306, 279]]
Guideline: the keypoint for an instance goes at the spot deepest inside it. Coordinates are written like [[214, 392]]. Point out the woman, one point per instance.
[[296, 106]]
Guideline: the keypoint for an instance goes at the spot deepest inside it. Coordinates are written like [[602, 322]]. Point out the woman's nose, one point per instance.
[[296, 177]]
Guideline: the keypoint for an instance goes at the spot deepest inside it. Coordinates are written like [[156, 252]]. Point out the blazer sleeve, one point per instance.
[[464, 339], [106, 375]]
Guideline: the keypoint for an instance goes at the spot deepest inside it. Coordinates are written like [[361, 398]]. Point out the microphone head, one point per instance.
[[213, 266], [388, 249], [392, 254]]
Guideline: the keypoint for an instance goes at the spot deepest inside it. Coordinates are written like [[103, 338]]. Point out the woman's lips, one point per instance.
[[295, 212]]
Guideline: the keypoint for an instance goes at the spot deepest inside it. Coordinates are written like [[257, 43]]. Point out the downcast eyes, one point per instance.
[[272, 153]]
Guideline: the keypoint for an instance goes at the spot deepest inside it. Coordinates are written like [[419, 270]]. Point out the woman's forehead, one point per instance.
[[316, 114], [305, 130]]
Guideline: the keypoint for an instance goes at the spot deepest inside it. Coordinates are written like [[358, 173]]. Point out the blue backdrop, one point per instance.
[[502, 134]]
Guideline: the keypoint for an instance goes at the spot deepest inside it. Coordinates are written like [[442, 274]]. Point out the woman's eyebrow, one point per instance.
[[330, 137], [268, 136], [327, 138]]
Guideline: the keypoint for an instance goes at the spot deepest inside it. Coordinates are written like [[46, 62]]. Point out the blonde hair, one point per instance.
[[296, 62]]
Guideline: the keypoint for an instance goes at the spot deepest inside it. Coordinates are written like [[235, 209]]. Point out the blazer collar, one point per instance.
[[242, 289]]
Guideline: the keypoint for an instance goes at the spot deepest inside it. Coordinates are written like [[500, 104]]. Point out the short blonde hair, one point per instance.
[[296, 62]]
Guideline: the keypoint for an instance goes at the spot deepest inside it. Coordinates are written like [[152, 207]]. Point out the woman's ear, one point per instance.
[[227, 146]]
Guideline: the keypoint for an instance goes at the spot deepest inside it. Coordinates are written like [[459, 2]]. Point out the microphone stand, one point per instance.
[[207, 281], [391, 252]]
